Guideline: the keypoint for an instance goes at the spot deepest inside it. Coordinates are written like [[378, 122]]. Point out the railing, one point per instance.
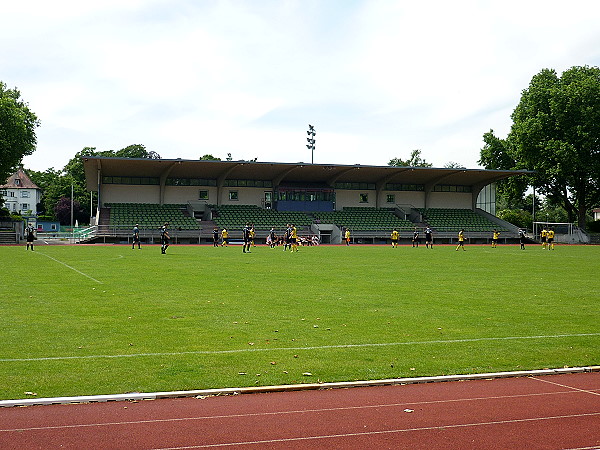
[[74, 236]]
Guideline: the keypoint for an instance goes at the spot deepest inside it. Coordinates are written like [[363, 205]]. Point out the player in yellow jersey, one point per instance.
[[544, 237], [551, 239], [495, 236], [294, 238], [224, 237], [395, 236], [347, 236], [461, 240]]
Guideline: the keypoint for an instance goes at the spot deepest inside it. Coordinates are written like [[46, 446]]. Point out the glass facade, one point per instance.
[[486, 199]]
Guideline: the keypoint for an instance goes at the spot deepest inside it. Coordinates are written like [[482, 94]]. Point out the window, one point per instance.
[[390, 198], [203, 195], [53, 227], [24, 206], [233, 195], [3, 192], [363, 198], [17, 182], [25, 194]]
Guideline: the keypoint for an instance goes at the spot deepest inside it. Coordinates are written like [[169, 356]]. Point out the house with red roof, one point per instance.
[[20, 194]]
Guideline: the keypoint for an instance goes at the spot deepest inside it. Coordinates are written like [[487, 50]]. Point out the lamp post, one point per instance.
[[311, 142], [72, 229]]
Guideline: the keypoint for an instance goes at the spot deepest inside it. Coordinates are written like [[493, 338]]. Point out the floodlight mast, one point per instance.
[[311, 142]]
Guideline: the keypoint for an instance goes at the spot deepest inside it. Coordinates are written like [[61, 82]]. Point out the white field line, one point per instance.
[[272, 349], [287, 412], [70, 267], [565, 386], [375, 433]]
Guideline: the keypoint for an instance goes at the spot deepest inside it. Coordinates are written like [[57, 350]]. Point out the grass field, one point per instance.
[[79, 320]]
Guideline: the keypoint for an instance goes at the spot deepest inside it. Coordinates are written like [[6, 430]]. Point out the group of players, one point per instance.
[[165, 238], [290, 238], [395, 237]]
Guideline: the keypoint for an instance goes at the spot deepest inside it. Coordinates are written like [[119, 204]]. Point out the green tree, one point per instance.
[[415, 160], [57, 185], [209, 157], [556, 133], [17, 130]]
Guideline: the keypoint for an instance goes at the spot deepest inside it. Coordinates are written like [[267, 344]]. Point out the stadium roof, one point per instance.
[[283, 173]]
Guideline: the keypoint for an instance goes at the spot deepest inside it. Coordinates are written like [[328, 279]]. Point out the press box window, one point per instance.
[[390, 198], [363, 198], [233, 195], [203, 195]]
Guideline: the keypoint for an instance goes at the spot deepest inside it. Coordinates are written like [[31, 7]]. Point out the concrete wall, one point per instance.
[[246, 196], [450, 200], [119, 193], [345, 197], [115, 193], [415, 199], [183, 194]]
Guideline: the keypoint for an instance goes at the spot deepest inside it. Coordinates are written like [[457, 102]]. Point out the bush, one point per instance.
[[593, 227], [517, 217]]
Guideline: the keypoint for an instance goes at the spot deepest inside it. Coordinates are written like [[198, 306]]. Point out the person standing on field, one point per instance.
[[461, 240], [30, 237], [246, 235], [551, 239], [522, 238], [415, 239], [347, 236], [495, 236], [543, 237], [136, 237], [395, 236], [215, 237], [428, 238], [294, 238], [224, 237], [164, 238]]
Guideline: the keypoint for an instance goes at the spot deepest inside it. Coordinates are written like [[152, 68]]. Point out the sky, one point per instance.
[[376, 78]]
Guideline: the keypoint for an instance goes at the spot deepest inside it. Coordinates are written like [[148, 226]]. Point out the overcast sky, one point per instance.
[[377, 78]]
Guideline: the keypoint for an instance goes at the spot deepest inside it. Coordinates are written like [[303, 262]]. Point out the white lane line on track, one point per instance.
[[566, 386], [372, 433], [70, 267], [283, 412], [322, 347]]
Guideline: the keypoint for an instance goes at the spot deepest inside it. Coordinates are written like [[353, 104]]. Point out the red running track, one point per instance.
[[546, 412]]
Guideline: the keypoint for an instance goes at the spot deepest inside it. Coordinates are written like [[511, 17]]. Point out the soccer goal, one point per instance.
[[563, 232]]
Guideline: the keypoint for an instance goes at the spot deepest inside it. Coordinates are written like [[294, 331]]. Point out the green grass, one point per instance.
[[201, 317]]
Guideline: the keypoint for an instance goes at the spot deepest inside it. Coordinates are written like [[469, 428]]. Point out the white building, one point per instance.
[[20, 194]]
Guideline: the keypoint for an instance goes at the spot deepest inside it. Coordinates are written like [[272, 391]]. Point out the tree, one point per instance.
[[17, 130], [556, 133], [56, 185], [497, 155], [415, 160], [209, 157], [62, 211]]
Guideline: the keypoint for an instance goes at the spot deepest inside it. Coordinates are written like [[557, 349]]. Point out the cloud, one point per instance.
[[378, 78]]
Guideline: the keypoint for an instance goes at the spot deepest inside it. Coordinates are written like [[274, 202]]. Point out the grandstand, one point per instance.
[[235, 216], [449, 219], [149, 216], [196, 196], [364, 219]]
